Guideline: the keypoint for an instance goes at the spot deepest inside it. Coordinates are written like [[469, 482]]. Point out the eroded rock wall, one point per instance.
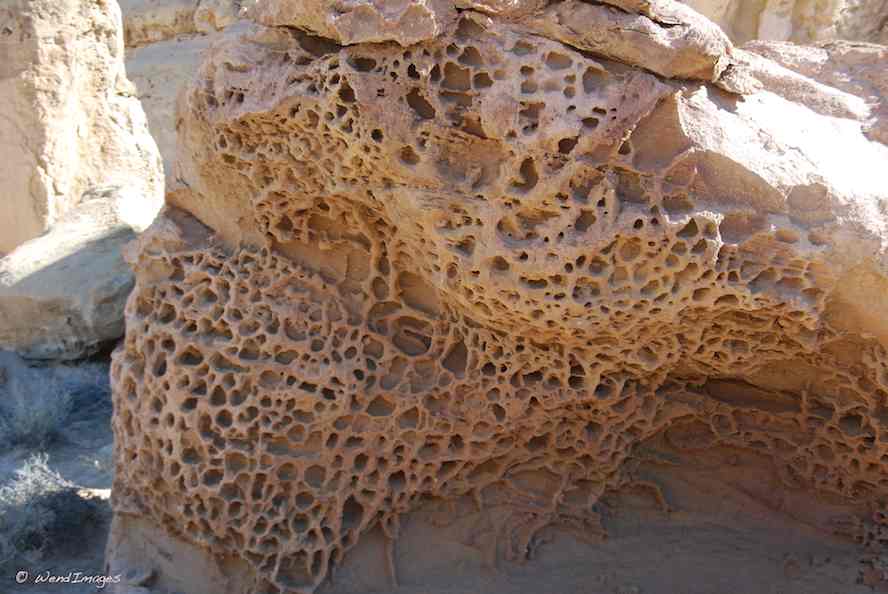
[[498, 251], [165, 38]]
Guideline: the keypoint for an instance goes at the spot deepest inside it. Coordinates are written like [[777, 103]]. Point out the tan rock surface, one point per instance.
[[360, 21], [215, 15], [160, 72], [491, 266], [62, 295], [165, 39], [150, 21], [68, 118]]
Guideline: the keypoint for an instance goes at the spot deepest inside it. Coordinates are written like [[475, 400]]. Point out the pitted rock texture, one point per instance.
[[68, 118], [489, 259]]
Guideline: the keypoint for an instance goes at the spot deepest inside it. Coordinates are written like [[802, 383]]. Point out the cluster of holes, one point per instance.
[[303, 393], [656, 259], [271, 409]]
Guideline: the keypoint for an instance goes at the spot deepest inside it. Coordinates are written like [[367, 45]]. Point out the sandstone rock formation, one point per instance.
[[150, 21], [160, 71], [62, 295], [855, 68], [800, 21], [165, 39], [68, 117], [493, 248]]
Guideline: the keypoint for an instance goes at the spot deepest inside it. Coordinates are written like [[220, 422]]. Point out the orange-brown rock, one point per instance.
[[429, 270]]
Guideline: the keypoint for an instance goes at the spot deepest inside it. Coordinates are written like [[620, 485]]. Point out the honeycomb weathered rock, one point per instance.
[[421, 271]]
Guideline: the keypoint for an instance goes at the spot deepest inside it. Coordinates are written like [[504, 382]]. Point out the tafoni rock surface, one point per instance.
[[69, 118], [425, 253], [165, 38]]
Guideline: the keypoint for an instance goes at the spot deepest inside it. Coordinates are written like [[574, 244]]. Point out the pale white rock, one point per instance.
[[856, 69], [800, 21], [68, 117], [62, 294], [159, 71]]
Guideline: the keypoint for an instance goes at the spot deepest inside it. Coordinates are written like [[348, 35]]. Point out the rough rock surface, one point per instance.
[[800, 21], [165, 39], [494, 261], [855, 68], [150, 21], [62, 295], [68, 117], [160, 71]]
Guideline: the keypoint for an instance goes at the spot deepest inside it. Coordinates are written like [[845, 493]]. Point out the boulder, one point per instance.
[[855, 68], [62, 294], [68, 115], [215, 15], [149, 21], [500, 252]]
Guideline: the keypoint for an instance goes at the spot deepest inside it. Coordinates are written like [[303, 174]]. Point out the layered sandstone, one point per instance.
[[165, 38], [69, 120], [496, 249]]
